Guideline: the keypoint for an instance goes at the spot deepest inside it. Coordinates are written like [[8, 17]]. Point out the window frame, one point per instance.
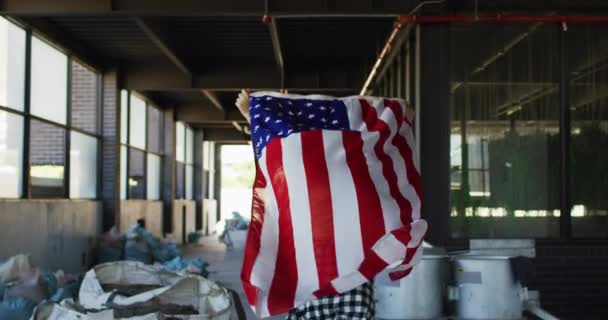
[[67, 127], [126, 142]]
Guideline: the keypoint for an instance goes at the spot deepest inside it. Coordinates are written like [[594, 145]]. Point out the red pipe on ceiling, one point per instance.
[[500, 18]]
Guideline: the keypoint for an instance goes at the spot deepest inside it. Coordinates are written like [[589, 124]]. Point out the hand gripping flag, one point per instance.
[[336, 197]]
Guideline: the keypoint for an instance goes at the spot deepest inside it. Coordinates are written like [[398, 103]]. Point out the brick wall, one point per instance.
[[110, 149], [47, 144], [84, 98]]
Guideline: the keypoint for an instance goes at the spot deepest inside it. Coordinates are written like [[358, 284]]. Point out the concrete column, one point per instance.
[[434, 113], [110, 146], [197, 181], [168, 170]]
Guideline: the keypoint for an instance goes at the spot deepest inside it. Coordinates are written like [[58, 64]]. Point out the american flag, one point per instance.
[[336, 198]]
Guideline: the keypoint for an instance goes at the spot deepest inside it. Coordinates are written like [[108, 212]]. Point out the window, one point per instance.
[[12, 65], [184, 155], [62, 152], [48, 97], [504, 131], [189, 181], [84, 98], [137, 122], [208, 163], [154, 129], [189, 162], [180, 137], [180, 191], [123, 172], [137, 178], [83, 166], [124, 116], [153, 177], [47, 160], [587, 78], [141, 139], [11, 155]]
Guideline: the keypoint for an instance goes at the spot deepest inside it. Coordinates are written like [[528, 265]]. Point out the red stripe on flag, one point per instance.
[[372, 265], [375, 124], [368, 201], [253, 235], [406, 152], [327, 291], [283, 289], [321, 209], [409, 255]]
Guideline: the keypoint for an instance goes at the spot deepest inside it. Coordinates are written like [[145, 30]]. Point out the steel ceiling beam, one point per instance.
[[276, 46], [213, 99], [361, 8], [230, 135], [202, 113], [162, 76], [158, 36], [70, 45]]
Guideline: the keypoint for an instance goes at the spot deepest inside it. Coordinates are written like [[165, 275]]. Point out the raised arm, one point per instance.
[[242, 102]]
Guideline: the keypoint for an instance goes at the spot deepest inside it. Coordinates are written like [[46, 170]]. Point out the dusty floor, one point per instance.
[[225, 267]]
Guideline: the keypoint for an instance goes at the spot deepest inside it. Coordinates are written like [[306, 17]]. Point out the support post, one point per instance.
[[110, 144], [565, 220], [434, 113]]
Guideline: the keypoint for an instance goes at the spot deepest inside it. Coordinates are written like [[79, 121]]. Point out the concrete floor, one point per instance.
[[225, 267]]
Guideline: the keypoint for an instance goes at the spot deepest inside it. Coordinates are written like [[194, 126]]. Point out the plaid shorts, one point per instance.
[[355, 304]]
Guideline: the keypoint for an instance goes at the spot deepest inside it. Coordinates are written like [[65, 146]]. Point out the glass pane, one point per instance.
[[137, 178], [137, 123], [154, 129], [189, 179], [180, 136], [588, 78], [84, 98], [49, 82], [123, 172], [124, 116], [153, 177], [11, 155], [189, 146], [12, 65], [83, 166], [206, 151], [47, 160], [504, 131], [180, 191]]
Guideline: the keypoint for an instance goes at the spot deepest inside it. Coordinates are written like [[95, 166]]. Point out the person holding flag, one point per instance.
[[336, 200]]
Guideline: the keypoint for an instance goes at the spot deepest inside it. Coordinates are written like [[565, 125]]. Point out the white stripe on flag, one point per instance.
[[390, 249], [408, 133], [390, 209], [293, 167], [263, 269], [353, 280], [413, 197], [347, 227], [405, 186]]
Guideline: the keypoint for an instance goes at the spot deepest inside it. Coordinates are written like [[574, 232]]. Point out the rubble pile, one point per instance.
[[139, 277]]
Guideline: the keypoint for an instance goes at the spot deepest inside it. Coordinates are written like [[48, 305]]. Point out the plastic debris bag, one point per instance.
[[16, 308], [139, 245], [111, 246], [134, 289], [194, 266]]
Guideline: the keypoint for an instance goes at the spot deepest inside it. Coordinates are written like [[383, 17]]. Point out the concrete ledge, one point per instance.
[[133, 210], [57, 234], [184, 220]]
